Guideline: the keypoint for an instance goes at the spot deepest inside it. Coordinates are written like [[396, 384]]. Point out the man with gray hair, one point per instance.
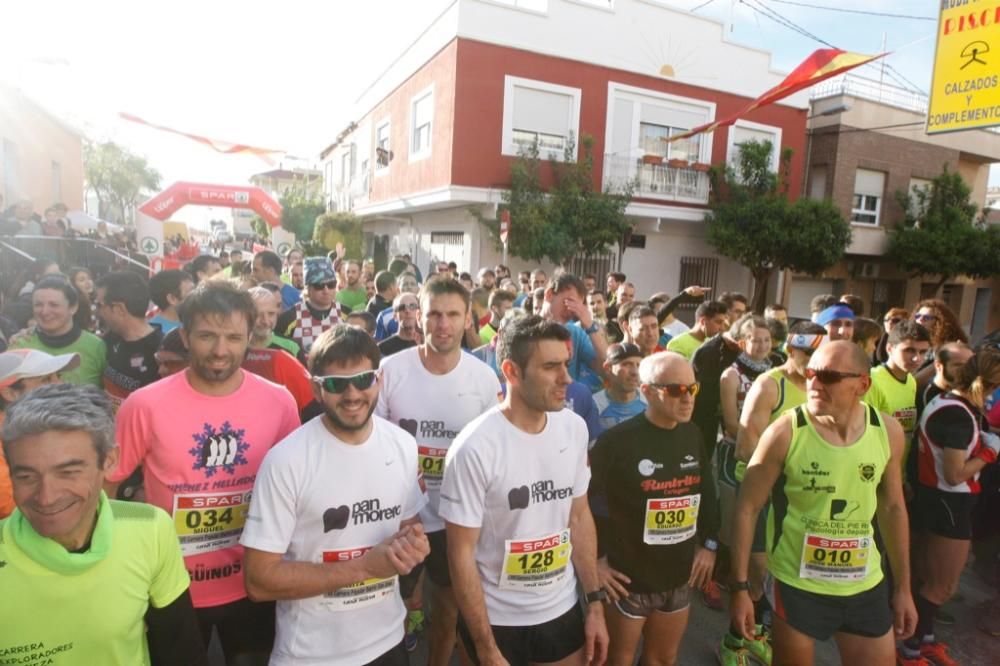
[[66, 539]]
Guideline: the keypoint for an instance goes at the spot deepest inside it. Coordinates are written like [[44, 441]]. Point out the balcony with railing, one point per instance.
[[656, 178]]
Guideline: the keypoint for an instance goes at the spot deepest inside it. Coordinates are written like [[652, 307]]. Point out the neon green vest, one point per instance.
[[819, 530], [897, 399]]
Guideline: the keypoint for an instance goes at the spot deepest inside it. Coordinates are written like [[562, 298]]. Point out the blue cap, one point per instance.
[[838, 311]]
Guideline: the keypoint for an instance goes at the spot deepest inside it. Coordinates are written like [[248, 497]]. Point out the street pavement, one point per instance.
[[969, 645]]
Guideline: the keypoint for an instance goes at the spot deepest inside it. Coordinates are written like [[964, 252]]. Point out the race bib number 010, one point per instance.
[[671, 520], [207, 522], [359, 595], [840, 559], [535, 564], [431, 464]]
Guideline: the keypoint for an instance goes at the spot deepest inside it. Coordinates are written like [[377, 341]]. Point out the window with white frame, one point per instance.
[[383, 153], [538, 111], [868, 190], [421, 123], [743, 132], [658, 122]]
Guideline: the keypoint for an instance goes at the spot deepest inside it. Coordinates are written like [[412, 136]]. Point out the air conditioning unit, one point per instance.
[[868, 269]]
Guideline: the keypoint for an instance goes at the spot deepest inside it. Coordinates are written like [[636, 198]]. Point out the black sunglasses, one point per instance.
[[677, 390], [332, 284], [339, 383], [829, 377], [403, 307]]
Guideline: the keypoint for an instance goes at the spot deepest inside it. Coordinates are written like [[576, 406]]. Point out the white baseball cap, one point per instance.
[[18, 364]]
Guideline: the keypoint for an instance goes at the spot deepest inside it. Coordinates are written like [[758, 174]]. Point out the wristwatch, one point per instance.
[[711, 544], [593, 328], [597, 595], [739, 586]]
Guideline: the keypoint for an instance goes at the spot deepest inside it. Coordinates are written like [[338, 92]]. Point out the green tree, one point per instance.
[[941, 235], [333, 228], [118, 178], [573, 218], [299, 211], [260, 227], [753, 222]]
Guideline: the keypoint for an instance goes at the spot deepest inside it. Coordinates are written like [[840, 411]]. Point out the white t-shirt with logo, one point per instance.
[[518, 489], [317, 499], [434, 409]]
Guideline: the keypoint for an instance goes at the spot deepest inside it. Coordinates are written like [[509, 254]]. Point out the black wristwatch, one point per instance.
[[739, 586], [597, 595]]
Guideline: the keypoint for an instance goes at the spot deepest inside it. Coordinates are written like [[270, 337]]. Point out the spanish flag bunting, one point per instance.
[[217, 145]]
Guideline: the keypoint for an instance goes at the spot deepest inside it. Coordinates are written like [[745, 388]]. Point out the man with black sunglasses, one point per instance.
[[828, 466], [433, 391], [318, 311], [654, 502], [406, 310], [334, 519]]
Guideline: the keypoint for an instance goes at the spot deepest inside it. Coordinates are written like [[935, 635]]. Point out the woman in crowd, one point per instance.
[[54, 303], [86, 312]]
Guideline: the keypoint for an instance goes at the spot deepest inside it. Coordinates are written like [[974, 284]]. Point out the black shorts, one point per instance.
[[640, 605], [759, 544], [944, 514], [437, 561], [245, 627], [820, 616], [552, 641]]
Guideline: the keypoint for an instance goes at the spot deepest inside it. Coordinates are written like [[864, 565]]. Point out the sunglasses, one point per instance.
[[403, 307], [678, 390], [829, 377], [332, 284], [338, 383], [924, 317]]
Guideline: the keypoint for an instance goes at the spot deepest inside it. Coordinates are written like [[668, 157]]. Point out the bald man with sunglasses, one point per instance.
[[829, 465]]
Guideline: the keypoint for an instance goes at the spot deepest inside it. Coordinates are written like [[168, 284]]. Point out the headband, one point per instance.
[[838, 311], [804, 341]]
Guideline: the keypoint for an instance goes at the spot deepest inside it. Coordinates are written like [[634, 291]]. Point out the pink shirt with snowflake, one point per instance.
[[200, 456]]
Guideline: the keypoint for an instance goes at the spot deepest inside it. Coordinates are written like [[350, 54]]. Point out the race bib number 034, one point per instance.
[[841, 559], [359, 595], [206, 522], [535, 564], [431, 464], [671, 520]]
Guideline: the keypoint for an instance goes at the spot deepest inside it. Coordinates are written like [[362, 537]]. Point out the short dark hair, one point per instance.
[[167, 283], [128, 288], [367, 318], [711, 309], [865, 329], [59, 283], [480, 297], [519, 337], [216, 297], [501, 296], [398, 266], [590, 276], [269, 259], [908, 330], [342, 344], [822, 302], [200, 264], [563, 281], [778, 329], [776, 307], [440, 285], [640, 311], [730, 297], [384, 280], [619, 277], [856, 303]]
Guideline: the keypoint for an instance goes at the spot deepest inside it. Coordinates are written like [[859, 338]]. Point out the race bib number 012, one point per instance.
[[431, 464], [535, 564], [841, 559], [359, 595], [671, 520], [207, 522]]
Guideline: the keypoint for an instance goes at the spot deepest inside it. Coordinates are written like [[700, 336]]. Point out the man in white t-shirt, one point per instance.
[[333, 521], [514, 498], [433, 391]]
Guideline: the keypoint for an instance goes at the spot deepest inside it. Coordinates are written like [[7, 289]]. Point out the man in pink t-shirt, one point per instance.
[[200, 436]]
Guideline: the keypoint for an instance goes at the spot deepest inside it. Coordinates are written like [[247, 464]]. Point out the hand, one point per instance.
[[595, 632], [904, 614], [341, 252], [697, 292], [409, 548], [612, 580], [701, 568], [580, 311], [21, 335], [741, 613]]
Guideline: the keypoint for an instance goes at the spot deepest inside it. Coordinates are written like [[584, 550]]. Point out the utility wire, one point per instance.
[[704, 4], [856, 11]]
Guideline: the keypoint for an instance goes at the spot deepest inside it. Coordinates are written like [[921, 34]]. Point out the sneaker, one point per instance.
[[944, 617], [937, 653], [758, 650], [731, 655], [903, 660], [414, 627], [711, 595]]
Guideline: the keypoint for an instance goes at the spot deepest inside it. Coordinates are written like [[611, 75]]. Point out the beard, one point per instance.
[[340, 424], [214, 375]]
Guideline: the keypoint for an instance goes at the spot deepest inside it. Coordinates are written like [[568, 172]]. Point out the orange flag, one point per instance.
[[215, 144]]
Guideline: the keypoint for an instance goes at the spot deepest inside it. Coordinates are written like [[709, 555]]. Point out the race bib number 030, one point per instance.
[[431, 465], [671, 520], [535, 564], [206, 522], [359, 595], [840, 559]]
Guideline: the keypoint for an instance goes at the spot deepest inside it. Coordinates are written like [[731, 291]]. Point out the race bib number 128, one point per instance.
[[535, 564]]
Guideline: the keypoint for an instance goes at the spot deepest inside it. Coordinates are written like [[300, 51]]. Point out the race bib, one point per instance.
[[535, 564], [366, 593], [206, 522], [840, 559], [431, 465], [671, 520], [907, 418]]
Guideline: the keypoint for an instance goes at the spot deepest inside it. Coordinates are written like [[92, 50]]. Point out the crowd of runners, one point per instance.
[[311, 461]]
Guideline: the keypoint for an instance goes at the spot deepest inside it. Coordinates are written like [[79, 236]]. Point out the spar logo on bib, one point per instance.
[[540, 491], [359, 513], [221, 448]]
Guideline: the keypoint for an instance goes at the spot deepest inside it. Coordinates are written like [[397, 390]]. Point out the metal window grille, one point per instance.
[[598, 264], [700, 271]]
